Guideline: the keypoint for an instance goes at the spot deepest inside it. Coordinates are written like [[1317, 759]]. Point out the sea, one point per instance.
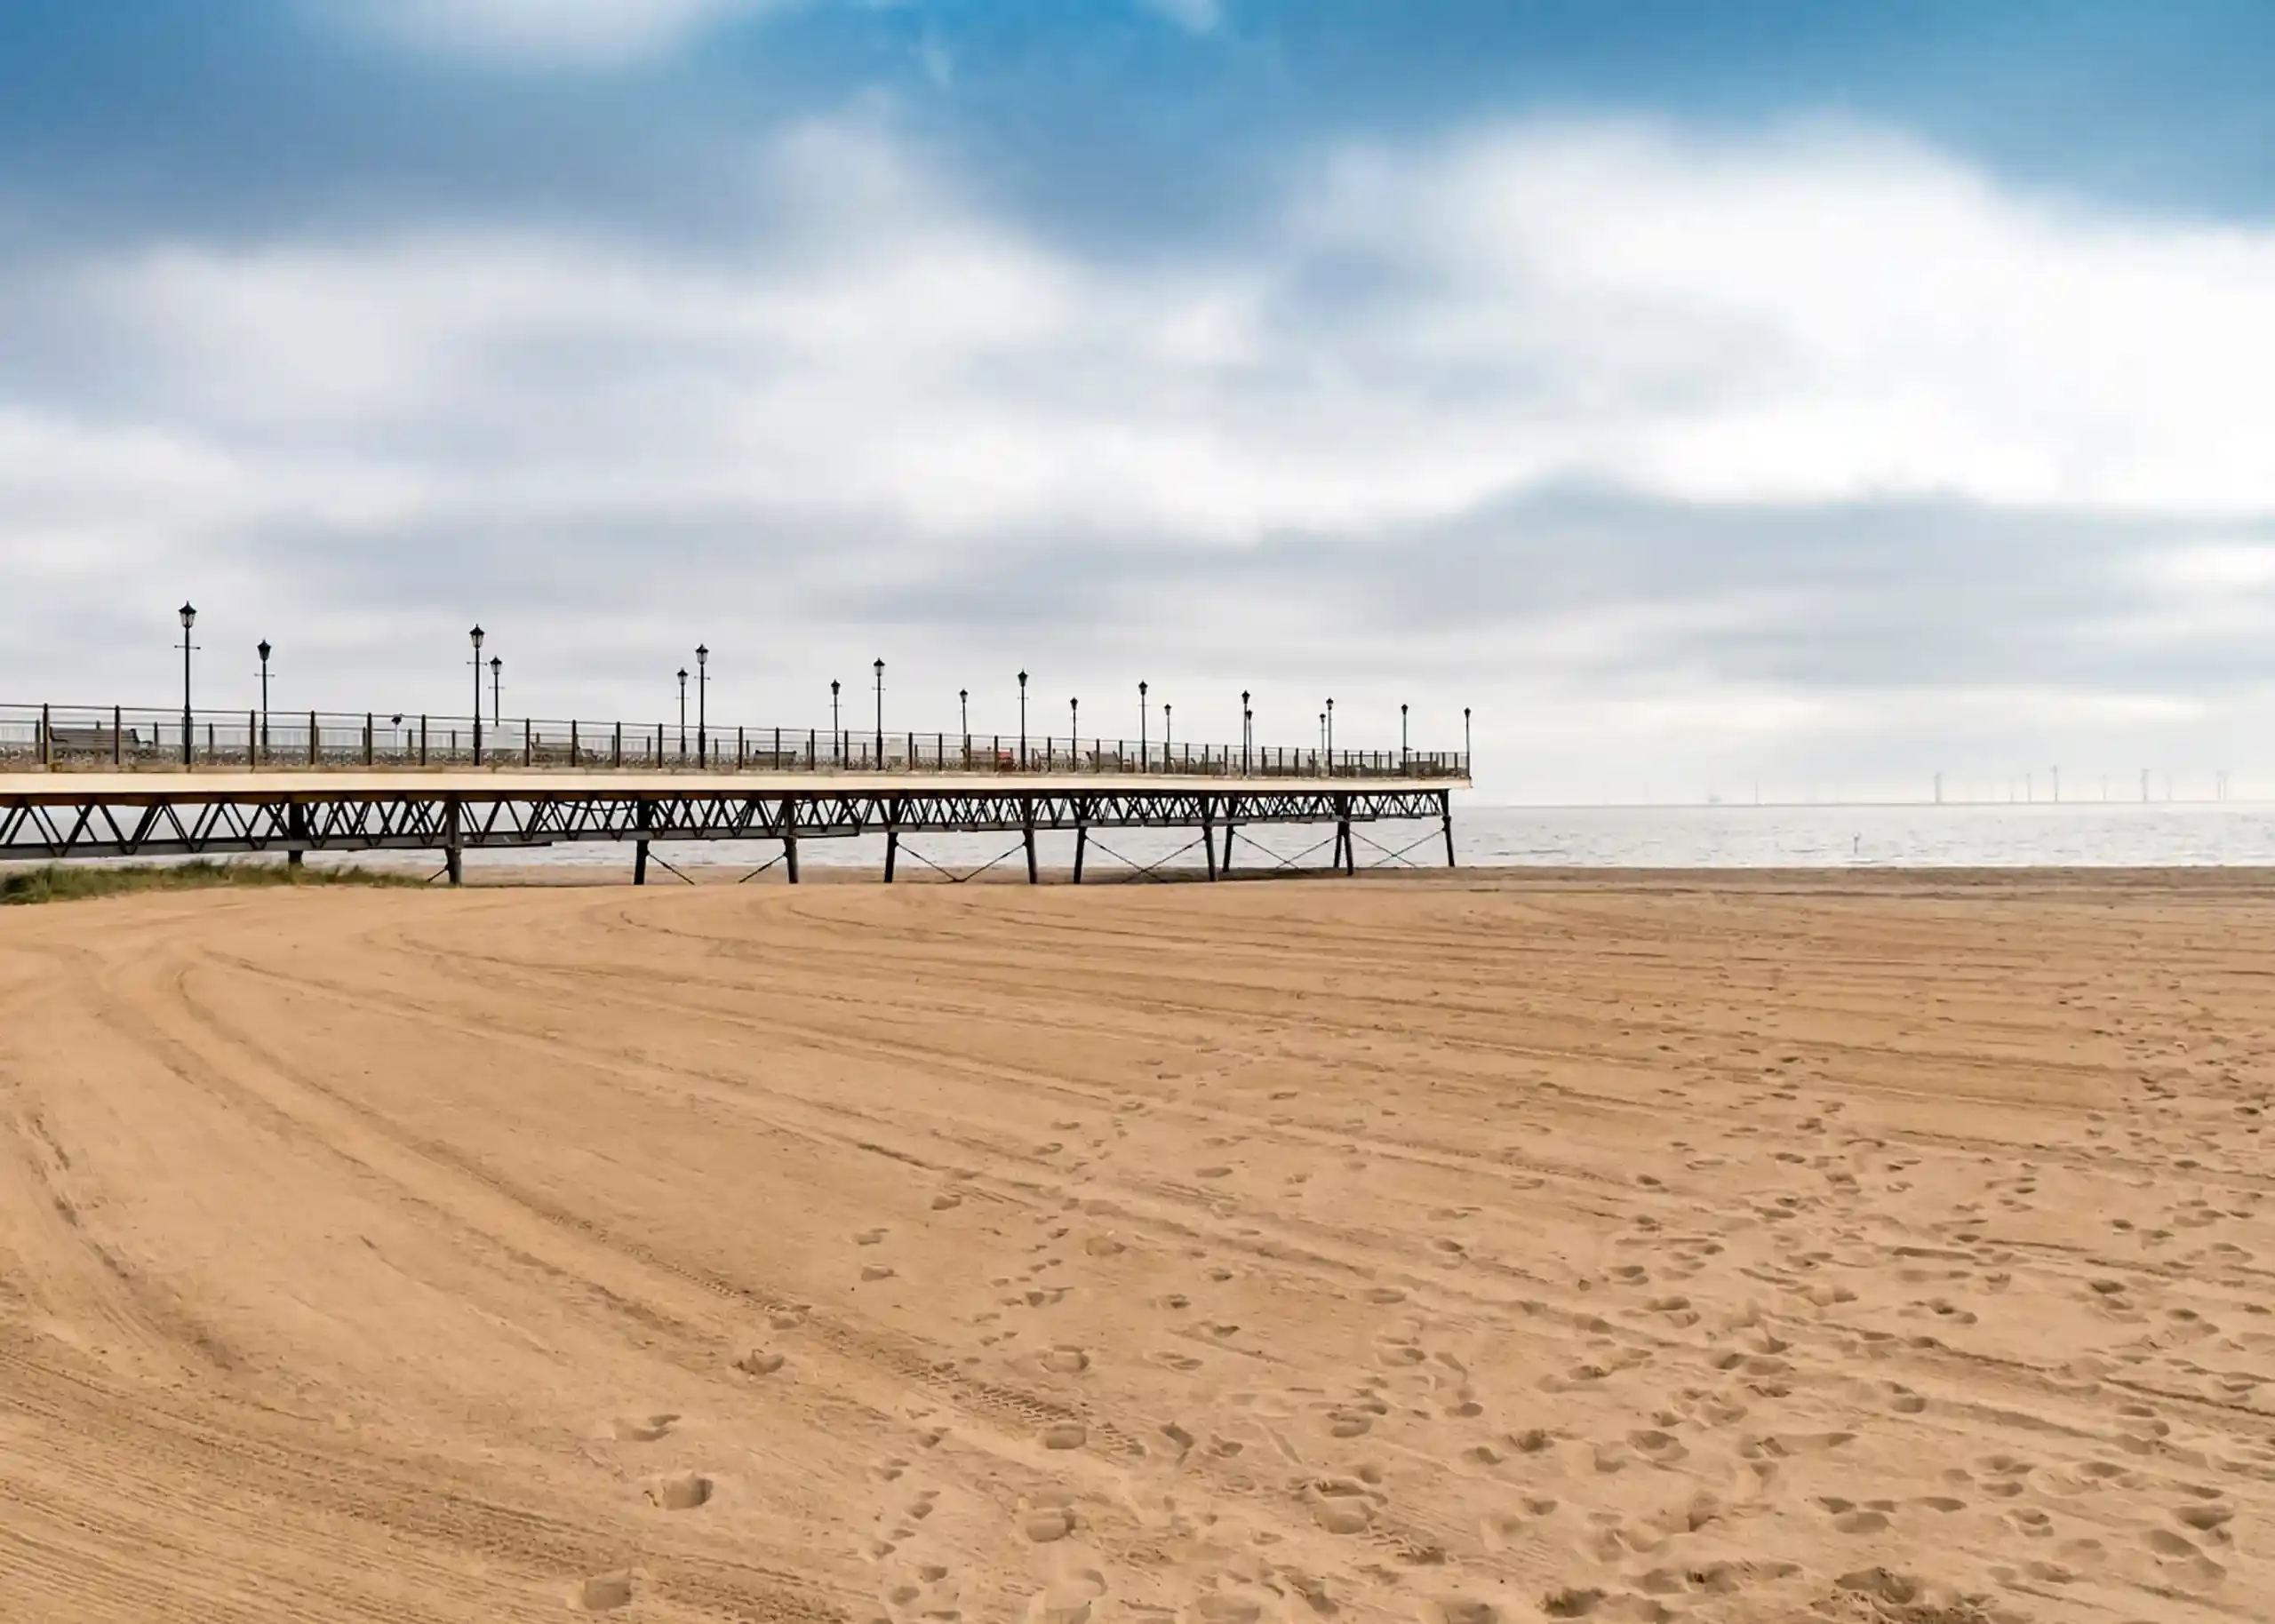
[[2153, 834]]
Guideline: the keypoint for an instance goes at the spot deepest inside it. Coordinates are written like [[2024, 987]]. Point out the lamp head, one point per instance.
[[476, 636], [188, 616], [683, 676], [262, 650], [1022, 679], [702, 654], [497, 662], [880, 667]]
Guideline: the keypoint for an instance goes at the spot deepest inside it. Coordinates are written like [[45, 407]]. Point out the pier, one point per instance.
[[87, 783]]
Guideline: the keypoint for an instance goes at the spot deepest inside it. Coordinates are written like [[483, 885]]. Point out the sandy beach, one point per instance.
[[1465, 1248]]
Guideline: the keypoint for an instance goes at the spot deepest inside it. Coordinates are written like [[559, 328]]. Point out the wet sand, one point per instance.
[[1459, 1249]]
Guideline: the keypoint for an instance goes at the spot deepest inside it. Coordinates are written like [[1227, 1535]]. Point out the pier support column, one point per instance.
[[1446, 809], [892, 837], [453, 855], [1082, 844], [1208, 834], [790, 837], [1342, 831], [640, 820], [1026, 831], [296, 828]]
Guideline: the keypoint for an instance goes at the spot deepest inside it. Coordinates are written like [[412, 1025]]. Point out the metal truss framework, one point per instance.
[[43, 824]]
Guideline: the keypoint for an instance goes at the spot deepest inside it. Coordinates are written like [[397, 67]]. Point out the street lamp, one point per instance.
[[1468, 763], [497, 686], [1330, 738], [880, 667], [188, 619], [702, 682], [1022, 721], [1248, 731], [836, 733], [1073, 731], [1165, 736], [476, 636], [1142, 756], [263, 649], [963, 711], [1401, 738], [683, 714]]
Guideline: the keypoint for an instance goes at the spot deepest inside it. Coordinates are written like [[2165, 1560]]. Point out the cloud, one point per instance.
[[1193, 16], [549, 33], [1713, 453]]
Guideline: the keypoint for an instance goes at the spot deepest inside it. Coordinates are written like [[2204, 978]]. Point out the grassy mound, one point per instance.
[[57, 882]]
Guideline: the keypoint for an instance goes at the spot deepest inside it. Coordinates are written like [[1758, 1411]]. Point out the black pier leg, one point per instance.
[[893, 851], [1081, 844], [296, 825], [639, 863], [1209, 836], [1342, 831], [453, 857], [1026, 829], [1446, 808]]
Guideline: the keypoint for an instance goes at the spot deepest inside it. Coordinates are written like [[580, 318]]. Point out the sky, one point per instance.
[[1716, 398]]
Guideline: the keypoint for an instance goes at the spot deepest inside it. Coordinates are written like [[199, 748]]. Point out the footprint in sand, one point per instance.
[[683, 1493], [643, 1430], [1047, 1522], [1065, 1435], [604, 1592], [1341, 1505], [1068, 1600], [760, 1362], [1067, 1361]]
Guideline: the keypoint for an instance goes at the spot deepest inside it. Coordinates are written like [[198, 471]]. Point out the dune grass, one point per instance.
[[56, 882]]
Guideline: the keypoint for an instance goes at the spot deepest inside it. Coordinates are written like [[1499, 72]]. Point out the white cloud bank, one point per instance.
[[893, 382]]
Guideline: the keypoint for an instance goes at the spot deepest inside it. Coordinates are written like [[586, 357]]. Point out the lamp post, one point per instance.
[[1468, 760], [1401, 738], [262, 650], [476, 636], [1142, 757], [702, 682], [1073, 730], [1165, 736], [1330, 738], [1248, 735], [836, 733], [879, 666], [1022, 721], [964, 715], [682, 712], [497, 690], [188, 619]]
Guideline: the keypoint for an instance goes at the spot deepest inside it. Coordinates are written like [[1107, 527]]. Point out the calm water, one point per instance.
[[2119, 835]]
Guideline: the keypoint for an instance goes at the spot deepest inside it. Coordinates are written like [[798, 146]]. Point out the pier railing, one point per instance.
[[45, 738]]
